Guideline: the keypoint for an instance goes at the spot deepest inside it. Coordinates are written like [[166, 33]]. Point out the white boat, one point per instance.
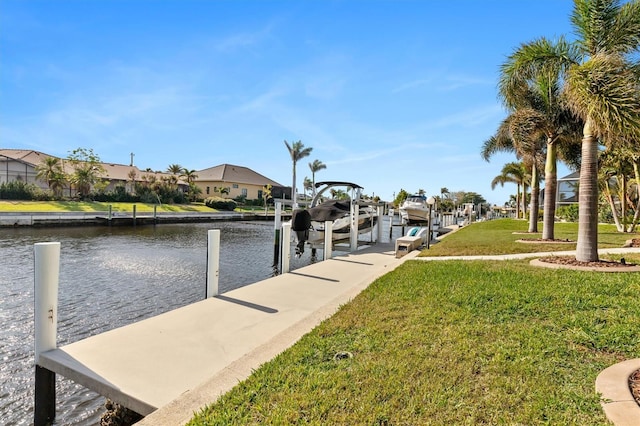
[[309, 224], [414, 209]]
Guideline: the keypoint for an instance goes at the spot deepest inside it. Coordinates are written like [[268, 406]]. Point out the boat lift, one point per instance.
[[282, 231]]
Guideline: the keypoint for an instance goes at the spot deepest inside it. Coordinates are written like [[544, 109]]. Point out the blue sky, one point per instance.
[[389, 94]]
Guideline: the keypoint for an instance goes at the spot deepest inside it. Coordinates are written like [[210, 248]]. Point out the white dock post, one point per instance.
[[380, 216], [46, 273], [286, 247], [353, 237], [328, 239], [213, 262]]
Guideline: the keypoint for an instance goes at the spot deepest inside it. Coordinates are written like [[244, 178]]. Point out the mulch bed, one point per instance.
[[571, 261], [634, 385], [547, 241]]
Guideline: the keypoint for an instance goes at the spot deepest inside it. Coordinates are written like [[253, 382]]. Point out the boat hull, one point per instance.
[[341, 229]]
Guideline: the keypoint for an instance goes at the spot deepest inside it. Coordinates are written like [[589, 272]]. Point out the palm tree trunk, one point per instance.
[[550, 192], [293, 187], [623, 200], [636, 173], [587, 247], [524, 200], [535, 197], [612, 204], [518, 202]]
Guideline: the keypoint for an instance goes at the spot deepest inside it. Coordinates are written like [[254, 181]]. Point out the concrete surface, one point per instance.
[[617, 401], [179, 361]]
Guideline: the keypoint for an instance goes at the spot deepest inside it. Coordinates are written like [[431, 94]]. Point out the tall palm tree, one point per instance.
[[603, 91], [512, 173], [518, 133], [316, 166], [297, 151], [531, 83]]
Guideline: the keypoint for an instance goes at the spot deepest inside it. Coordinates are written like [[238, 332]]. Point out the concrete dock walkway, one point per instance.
[[170, 366]]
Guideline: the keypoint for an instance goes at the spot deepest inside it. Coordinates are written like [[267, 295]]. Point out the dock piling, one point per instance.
[[213, 262], [286, 247], [46, 279], [328, 239], [277, 226]]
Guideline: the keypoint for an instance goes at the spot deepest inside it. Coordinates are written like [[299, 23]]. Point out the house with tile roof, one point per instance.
[[231, 181], [20, 165]]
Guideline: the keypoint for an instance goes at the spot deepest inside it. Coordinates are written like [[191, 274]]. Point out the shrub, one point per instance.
[[19, 190], [568, 213], [118, 195], [220, 203]]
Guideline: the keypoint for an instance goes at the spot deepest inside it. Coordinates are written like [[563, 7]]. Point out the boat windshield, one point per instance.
[[416, 199]]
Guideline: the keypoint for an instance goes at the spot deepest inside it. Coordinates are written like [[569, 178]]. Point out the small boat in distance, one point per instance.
[[414, 209]]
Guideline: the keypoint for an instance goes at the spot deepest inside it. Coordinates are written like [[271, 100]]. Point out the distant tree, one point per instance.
[[297, 151], [50, 171], [266, 195], [175, 169], [402, 195], [87, 169], [512, 173], [308, 185], [132, 175], [316, 166], [189, 175], [193, 191]]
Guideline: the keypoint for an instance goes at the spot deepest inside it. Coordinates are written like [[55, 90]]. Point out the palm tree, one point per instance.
[[619, 174], [531, 83], [297, 152], [50, 171], [603, 91], [175, 169], [133, 175], [316, 166], [189, 175], [517, 133], [307, 184], [512, 173]]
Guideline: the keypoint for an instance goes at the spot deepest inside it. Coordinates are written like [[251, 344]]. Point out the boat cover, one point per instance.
[[330, 210]]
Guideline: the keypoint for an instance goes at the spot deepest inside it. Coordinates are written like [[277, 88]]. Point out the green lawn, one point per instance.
[[82, 206], [497, 237], [452, 343]]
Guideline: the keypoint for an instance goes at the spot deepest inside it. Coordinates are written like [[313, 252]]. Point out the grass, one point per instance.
[[85, 206], [451, 342], [497, 237]]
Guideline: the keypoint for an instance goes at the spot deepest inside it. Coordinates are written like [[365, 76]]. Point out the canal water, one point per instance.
[[111, 277]]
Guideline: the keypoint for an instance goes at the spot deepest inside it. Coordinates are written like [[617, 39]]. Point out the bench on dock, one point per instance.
[[406, 244]]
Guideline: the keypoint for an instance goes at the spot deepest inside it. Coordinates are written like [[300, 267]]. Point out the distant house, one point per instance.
[[20, 165], [229, 181], [566, 190]]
